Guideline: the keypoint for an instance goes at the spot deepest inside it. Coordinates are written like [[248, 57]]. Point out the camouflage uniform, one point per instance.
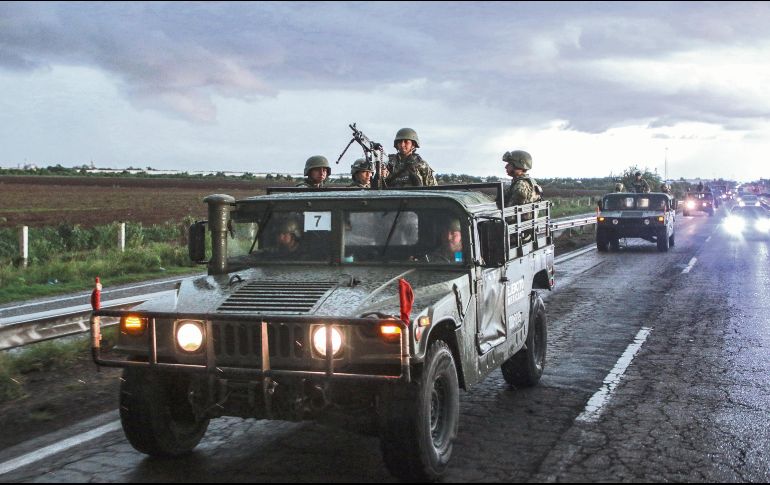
[[411, 171], [523, 190], [306, 182], [640, 186]]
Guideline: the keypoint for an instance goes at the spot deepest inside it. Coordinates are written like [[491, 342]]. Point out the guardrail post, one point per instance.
[[122, 237], [24, 246]]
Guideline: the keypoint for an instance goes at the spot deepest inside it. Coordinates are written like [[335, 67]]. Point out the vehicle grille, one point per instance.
[[240, 340], [277, 298]]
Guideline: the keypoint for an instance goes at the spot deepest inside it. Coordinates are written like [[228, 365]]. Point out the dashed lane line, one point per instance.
[[596, 404], [690, 265]]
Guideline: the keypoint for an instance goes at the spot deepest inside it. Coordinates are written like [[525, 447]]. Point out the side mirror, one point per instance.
[[196, 242], [492, 235]]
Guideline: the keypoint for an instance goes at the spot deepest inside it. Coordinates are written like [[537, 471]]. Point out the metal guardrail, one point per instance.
[[37, 327]]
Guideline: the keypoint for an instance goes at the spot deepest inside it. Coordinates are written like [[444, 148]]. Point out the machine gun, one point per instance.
[[373, 152]]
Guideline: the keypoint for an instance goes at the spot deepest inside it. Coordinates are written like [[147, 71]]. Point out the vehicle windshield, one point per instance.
[[414, 236], [636, 202], [422, 236], [700, 195]]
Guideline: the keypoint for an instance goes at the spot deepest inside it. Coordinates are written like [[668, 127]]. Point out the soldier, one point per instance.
[[523, 189], [317, 170], [287, 240], [700, 186], [640, 185], [361, 171], [406, 168], [619, 187], [665, 188], [451, 248]]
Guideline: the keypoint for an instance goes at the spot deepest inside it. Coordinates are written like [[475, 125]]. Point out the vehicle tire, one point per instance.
[[525, 368], [662, 242], [615, 245], [602, 242], [671, 240], [157, 417], [418, 424]]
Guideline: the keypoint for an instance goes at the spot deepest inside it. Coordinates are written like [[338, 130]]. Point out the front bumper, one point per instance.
[[252, 350]]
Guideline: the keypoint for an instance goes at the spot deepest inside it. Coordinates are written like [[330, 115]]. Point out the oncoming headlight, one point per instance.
[[319, 340], [734, 225], [763, 225], [690, 204], [189, 335]]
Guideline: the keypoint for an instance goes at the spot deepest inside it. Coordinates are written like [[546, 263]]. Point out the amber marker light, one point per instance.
[[390, 332], [660, 219], [133, 325], [601, 218]]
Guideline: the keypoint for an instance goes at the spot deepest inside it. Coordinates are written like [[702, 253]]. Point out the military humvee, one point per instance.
[[325, 331], [698, 201], [649, 216]]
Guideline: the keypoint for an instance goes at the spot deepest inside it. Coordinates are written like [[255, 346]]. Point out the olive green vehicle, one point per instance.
[[313, 330], [649, 216]]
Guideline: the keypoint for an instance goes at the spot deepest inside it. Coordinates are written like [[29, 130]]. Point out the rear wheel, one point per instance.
[[418, 424], [156, 414], [525, 368]]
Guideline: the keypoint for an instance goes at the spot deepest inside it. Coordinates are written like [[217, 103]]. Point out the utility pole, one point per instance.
[[665, 167]]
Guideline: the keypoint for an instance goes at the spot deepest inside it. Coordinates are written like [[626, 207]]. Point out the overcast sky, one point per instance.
[[587, 88]]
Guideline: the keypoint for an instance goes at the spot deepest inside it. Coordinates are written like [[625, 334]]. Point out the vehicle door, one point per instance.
[[490, 289]]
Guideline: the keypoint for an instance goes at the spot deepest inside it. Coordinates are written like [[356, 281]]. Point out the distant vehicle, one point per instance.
[[746, 221], [648, 216], [749, 200], [698, 201]]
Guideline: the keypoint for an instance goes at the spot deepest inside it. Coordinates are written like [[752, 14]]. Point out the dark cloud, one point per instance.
[[530, 59]]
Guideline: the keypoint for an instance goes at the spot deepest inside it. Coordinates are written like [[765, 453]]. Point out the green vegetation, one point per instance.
[[67, 258], [41, 357]]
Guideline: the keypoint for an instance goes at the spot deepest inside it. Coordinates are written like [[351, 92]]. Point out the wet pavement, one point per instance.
[[691, 404]]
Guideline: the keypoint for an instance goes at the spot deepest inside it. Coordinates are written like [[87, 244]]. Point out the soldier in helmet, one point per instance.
[[317, 170], [406, 168], [361, 171], [639, 184], [665, 188], [287, 240], [619, 187], [523, 189]]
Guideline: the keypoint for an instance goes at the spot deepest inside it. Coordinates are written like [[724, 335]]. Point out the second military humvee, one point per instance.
[[372, 319], [698, 201], [648, 216]]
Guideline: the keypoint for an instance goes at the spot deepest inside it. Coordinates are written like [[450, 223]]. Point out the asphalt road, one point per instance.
[[657, 371]]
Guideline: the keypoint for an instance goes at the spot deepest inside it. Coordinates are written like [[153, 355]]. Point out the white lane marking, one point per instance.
[[690, 265], [594, 406], [708, 239], [42, 453]]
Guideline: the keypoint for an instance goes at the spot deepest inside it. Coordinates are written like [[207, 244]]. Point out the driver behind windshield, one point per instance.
[[450, 249]]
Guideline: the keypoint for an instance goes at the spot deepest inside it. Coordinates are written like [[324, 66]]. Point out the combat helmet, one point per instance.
[[407, 134], [316, 162], [453, 224], [291, 226], [619, 187], [361, 165], [519, 159]]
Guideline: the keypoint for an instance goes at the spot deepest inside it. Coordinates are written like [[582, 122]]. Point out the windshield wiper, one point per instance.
[[262, 224], [392, 228]]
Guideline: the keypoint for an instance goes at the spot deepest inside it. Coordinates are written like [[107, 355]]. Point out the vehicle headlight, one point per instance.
[[742, 203], [189, 335], [646, 222], [319, 340], [734, 225], [763, 225], [690, 204]]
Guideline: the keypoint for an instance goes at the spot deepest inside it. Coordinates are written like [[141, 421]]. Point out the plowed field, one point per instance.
[[90, 201]]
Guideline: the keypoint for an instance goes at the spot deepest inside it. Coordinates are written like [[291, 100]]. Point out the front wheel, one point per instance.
[[156, 414], [418, 425], [663, 241], [525, 368], [602, 242], [671, 240]]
